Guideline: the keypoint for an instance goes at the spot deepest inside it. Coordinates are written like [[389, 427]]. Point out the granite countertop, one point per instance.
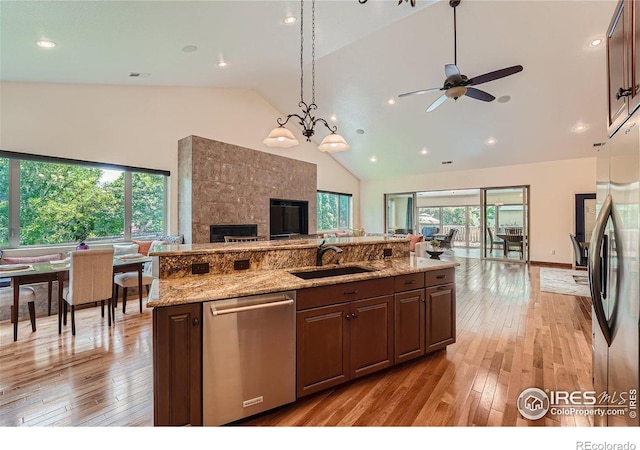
[[195, 289], [223, 247]]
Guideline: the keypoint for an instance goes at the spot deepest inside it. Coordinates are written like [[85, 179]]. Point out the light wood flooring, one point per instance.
[[510, 336]]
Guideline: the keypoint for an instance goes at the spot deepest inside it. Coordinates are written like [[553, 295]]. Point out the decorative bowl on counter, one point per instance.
[[435, 254]]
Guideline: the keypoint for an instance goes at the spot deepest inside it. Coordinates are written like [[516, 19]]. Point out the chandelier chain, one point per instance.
[[313, 51], [302, 51]]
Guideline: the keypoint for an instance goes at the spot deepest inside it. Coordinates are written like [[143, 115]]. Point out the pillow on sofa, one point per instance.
[[172, 239], [125, 249], [143, 246], [413, 240], [30, 259]]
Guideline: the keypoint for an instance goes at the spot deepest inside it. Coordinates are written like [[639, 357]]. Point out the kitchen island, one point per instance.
[[346, 326]]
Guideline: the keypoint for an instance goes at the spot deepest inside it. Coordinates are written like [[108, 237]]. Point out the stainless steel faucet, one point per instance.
[[322, 250]]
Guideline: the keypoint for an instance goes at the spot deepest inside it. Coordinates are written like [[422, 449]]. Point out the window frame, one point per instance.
[[14, 192], [350, 213]]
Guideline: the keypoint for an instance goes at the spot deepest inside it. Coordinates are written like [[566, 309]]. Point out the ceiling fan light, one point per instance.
[[455, 92], [280, 137], [333, 143]]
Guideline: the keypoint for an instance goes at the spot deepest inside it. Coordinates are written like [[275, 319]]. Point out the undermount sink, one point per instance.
[[332, 272]]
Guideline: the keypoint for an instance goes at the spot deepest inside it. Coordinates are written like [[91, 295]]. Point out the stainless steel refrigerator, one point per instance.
[[614, 276]]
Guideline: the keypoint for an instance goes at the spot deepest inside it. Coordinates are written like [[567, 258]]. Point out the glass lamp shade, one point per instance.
[[456, 92], [280, 137], [333, 143]]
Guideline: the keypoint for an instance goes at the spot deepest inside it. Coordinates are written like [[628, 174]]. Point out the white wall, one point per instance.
[[553, 186], [141, 126]]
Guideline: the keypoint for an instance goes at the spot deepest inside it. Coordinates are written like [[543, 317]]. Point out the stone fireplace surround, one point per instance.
[[224, 184]]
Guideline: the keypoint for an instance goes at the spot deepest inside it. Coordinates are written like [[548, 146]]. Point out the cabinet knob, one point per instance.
[[196, 322], [348, 316], [350, 292], [623, 93], [354, 315]]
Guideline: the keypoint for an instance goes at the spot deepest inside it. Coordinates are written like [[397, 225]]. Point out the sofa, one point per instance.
[[429, 231]]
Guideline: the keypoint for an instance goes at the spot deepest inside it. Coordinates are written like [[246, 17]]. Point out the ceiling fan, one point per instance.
[[456, 85]]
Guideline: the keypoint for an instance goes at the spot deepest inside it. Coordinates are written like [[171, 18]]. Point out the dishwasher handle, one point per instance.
[[220, 312]]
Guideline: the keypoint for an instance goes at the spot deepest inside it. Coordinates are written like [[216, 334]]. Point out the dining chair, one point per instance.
[[493, 240], [579, 257], [243, 238], [27, 294], [130, 279], [90, 281]]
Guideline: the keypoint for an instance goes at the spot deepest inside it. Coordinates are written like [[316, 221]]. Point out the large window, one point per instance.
[[4, 202], [64, 201], [334, 211]]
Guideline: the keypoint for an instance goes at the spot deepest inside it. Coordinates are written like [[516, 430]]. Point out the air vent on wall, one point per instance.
[[139, 74], [598, 144], [447, 162]]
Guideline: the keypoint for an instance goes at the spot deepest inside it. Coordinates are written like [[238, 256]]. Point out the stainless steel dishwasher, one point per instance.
[[249, 356]]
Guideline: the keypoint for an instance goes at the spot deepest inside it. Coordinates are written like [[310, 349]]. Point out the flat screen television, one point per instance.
[[287, 217]]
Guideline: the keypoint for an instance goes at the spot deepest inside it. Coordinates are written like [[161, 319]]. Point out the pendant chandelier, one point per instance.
[[281, 136]]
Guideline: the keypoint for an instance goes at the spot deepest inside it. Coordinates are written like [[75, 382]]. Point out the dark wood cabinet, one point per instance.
[[344, 331], [440, 316], [371, 335], [340, 342], [322, 352], [409, 325], [623, 64], [177, 365]]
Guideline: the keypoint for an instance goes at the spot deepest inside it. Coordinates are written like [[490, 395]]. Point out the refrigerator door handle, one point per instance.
[[596, 268]]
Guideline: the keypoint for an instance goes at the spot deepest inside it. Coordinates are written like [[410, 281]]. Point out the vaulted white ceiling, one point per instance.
[[366, 54]]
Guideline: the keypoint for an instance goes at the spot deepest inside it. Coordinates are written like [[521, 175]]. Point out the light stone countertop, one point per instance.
[[257, 246], [195, 289]]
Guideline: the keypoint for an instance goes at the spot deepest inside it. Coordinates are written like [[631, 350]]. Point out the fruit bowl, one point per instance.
[[435, 254]]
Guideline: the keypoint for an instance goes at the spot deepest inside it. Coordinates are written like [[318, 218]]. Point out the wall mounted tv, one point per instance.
[[287, 217]]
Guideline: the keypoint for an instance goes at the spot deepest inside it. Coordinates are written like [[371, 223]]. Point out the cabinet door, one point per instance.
[[409, 329], [371, 331], [322, 348], [440, 316], [618, 67], [177, 365], [634, 100]]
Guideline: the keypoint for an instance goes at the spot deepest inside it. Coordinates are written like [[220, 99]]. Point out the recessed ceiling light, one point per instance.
[[360, 131], [579, 128], [491, 141], [595, 42], [189, 48], [289, 20], [373, 159], [503, 99], [45, 44], [333, 118], [424, 151], [391, 101], [223, 64]]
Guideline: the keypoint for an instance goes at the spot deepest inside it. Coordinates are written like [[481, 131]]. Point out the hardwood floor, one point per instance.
[[510, 336]]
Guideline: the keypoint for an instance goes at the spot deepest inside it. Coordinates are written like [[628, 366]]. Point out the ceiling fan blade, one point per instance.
[[493, 75], [479, 95], [451, 70], [422, 91], [440, 100]]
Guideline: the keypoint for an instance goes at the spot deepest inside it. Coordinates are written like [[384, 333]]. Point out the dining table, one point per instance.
[[59, 271]]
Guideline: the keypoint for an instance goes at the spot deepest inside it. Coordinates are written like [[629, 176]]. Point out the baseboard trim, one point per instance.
[[551, 264]]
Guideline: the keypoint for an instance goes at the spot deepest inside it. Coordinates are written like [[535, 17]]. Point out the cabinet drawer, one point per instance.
[[409, 282], [442, 276], [343, 292]]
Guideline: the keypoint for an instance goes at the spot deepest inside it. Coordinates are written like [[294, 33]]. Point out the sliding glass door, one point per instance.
[[506, 223]]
